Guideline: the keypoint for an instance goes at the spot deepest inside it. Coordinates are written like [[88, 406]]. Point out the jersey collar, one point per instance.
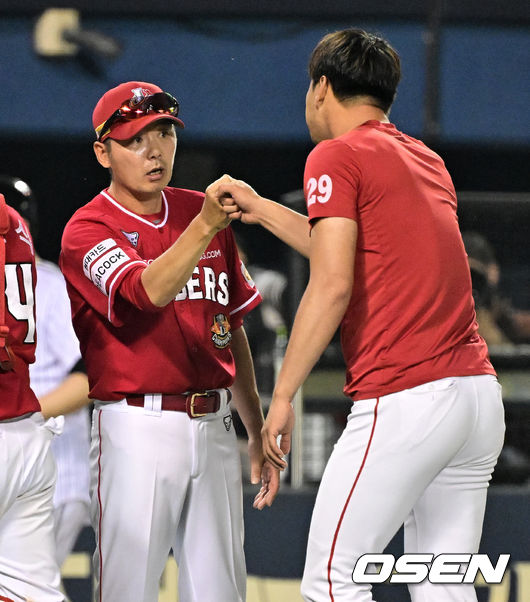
[[135, 215]]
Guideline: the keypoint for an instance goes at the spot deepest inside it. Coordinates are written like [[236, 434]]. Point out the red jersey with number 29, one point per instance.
[[16, 397], [411, 317], [129, 345]]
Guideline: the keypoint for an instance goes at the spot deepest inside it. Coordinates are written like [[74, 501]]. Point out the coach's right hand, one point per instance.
[[215, 214]]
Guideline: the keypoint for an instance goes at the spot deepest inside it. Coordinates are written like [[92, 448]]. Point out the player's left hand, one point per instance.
[[228, 204], [279, 423]]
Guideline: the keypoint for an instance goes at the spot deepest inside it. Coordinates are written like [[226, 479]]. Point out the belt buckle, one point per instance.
[[194, 414]]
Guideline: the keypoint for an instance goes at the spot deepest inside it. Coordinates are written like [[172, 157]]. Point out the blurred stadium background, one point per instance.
[[238, 68]]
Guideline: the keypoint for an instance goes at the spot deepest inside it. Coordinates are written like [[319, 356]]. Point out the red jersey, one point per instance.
[[16, 398], [129, 345], [411, 317]]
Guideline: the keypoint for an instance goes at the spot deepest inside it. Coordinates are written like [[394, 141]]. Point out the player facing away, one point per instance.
[[387, 263], [158, 297], [28, 569]]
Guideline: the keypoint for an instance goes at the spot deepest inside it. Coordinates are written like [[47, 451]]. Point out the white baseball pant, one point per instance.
[[28, 569], [424, 457], [162, 481]]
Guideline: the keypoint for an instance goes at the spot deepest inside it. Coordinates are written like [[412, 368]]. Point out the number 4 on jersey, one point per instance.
[[20, 304], [324, 186]]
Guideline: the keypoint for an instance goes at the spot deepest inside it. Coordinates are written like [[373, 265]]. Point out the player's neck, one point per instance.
[[140, 203], [349, 117]]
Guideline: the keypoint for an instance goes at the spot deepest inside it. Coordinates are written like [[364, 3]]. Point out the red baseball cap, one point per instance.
[[111, 101]]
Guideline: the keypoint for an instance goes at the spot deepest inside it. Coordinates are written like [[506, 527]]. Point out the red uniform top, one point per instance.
[[411, 318], [128, 344], [16, 398]]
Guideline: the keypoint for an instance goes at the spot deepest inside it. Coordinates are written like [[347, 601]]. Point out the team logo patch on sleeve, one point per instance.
[[247, 276], [221, 336]]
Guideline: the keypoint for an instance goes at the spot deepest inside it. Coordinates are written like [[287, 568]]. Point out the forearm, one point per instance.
[[244, 390], [165, 277], [289, 226], [69, 396]]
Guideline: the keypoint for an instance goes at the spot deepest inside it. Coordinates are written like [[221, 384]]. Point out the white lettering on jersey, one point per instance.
[[211, 254], [206, 284], [20, 310], [222, 295], [325, 188], [182, 295], [209, 283], [105, 267], [194, 286], [95, 252]]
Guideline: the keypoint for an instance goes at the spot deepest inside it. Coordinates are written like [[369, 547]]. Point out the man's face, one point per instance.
[[144, 163]]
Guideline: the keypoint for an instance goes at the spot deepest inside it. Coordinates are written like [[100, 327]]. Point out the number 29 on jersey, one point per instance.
[[319, 190]]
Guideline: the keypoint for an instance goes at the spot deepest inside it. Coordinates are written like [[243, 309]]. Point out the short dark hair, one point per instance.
[[357, 63]]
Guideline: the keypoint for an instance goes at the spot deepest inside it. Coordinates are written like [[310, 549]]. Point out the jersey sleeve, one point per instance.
[[244, 295], [95, 260], [331, 181], [131, 289]]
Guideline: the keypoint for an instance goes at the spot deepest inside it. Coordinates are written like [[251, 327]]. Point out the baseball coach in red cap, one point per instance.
[[158, 296]]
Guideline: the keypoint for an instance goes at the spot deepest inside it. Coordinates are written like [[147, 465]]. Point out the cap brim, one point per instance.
[[123, 130]]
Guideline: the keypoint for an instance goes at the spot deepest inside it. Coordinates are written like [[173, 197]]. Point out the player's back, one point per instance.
[[411, 317], [20, 278]]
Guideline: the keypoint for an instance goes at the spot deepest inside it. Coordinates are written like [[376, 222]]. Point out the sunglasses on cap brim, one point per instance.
[[160, 102]]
